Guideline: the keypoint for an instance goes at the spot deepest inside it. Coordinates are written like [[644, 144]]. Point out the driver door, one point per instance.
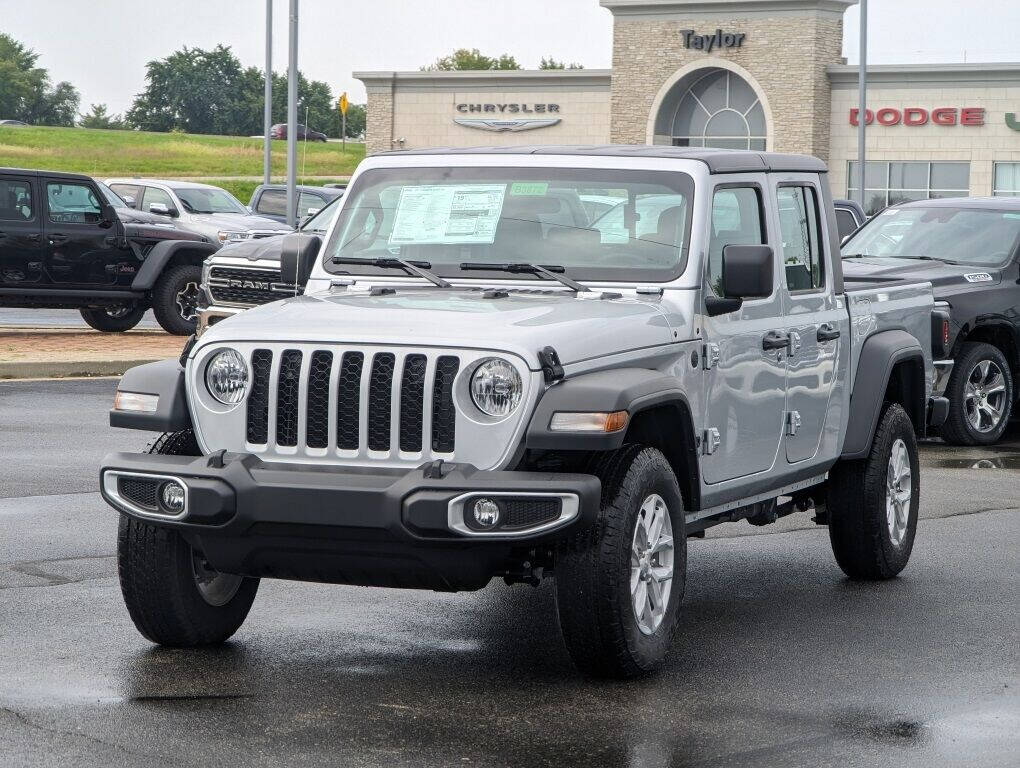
[[79, 240]]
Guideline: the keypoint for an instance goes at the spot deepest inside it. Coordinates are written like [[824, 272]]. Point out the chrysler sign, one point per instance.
[[507, 117]]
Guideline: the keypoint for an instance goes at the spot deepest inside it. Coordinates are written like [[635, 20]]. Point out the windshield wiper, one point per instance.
[[858, 256], [419, 268], [548, 271]]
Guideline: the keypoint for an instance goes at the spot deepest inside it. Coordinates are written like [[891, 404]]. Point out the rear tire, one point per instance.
[[980, 393], [173, 596], [873, 502], [175, 299], [606, 572], [112, 319]]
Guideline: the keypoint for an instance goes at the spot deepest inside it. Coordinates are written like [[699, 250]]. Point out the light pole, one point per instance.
[[267, 116], [292, 83], [862, 95]]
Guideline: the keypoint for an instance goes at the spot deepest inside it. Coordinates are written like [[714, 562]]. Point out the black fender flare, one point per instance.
[[160, 256], [880, 354], [165, 379], [620, 389]]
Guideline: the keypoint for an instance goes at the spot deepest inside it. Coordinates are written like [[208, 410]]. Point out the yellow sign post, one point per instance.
[[342, 106]]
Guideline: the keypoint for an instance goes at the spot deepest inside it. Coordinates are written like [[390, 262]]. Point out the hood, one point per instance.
[[947, 279], [522, 324], [239, 222], [268, 248]]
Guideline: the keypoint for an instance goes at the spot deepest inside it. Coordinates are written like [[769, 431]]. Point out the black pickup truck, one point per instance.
[[969, 250], [68, 242]]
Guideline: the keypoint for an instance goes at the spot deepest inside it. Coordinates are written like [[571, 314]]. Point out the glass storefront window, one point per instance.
[[889, 183], [1007, 180], [719, 110]]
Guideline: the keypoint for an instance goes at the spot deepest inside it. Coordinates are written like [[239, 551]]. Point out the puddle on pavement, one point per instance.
[[991, 462]]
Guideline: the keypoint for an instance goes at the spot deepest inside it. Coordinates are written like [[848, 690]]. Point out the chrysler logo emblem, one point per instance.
[[495, 124]]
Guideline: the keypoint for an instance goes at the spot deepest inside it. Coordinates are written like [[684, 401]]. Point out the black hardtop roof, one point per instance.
[[48, 174], [717, 160], [974, 203], [328, 191]]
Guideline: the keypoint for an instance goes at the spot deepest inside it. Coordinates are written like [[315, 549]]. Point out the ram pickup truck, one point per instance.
[[469, 389], [67, 241], [969, 250]]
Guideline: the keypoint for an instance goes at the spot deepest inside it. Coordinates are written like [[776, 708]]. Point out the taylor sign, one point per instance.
[[916, 116]]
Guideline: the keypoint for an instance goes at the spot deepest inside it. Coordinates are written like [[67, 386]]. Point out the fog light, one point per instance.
[[172, 497], [486, 513]]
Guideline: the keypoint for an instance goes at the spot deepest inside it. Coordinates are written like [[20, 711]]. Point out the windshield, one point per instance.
[[319, 221], [111, 197], [202, 200], [969, 236], [451, 217]]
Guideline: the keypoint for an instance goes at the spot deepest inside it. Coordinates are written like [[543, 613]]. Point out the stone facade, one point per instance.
[[785, 52], [419, 109]]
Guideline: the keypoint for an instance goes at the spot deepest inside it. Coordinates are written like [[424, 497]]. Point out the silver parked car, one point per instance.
[[201, 208]]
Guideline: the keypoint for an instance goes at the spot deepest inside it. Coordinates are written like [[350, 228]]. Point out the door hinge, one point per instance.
[[710, 356], [710, 441], [792, 422], [793, 345]]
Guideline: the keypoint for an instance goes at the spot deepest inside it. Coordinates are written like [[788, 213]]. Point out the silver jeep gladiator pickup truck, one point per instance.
[[483, 380]]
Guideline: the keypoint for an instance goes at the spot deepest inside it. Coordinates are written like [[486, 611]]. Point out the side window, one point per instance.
[[736, 220], [155, 195], [306, 202], [16, 200], [802, 245], [273, 201], [131, 193], [845, 222], [71, 203]]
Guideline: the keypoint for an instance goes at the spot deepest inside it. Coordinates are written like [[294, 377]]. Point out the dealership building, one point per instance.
[[751, 74]]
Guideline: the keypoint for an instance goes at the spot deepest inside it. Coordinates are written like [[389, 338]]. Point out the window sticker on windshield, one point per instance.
[[1011, 215], [447, 214], [529, 188], [889, 212]]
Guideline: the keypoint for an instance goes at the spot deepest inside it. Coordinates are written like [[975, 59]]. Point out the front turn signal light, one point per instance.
[[588, 422], [135, 401]]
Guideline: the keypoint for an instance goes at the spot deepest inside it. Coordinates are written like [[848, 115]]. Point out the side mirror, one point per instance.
[[747, 273], [297, 257], [129, 200], [162, 209]]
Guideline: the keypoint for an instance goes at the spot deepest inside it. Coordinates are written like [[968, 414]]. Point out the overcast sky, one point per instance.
[[102, 46]]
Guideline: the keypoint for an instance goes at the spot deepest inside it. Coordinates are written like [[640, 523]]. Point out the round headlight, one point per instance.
[[226, 377], [496, 387]]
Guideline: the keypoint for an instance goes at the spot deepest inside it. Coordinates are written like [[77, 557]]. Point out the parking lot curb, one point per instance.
[[34, 369]]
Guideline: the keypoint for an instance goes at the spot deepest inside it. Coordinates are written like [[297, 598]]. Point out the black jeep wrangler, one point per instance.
[[68, 242]]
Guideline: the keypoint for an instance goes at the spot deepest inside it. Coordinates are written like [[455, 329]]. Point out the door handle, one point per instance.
[[827, 332], [34, 238], [774, 340], [57, 238]]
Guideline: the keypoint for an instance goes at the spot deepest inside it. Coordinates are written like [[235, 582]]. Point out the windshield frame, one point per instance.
[[675, 181], [110, 196], [323, 211], [877, 220]]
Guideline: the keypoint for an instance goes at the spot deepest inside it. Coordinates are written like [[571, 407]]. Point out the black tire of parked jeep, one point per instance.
[[872, 502], [172, 595], [600, 577], [175, 299], [980, 393], [112, 319]]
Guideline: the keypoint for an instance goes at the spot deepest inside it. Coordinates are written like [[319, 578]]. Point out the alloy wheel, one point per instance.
[[215, 588], [898, 493], [651, 563], [187, 301], [984, 396]]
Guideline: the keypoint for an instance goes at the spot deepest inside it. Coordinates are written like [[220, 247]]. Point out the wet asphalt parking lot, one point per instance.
[[779, 660]]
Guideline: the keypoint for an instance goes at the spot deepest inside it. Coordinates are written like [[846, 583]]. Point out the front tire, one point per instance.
[[619, 584], [175, 299], [174, 597], [112, 319], [980, 393], [873, 502]]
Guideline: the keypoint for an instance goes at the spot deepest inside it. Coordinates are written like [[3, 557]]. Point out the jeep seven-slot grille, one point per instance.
[[237, 285], [366, 393]]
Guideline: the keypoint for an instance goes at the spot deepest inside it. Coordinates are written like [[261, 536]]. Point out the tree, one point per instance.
[[551, 63], [355, 121], [98, 117], [25, 90], [467, 59]]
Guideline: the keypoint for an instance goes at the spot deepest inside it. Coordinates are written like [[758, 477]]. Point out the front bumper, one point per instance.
[[393, 528]]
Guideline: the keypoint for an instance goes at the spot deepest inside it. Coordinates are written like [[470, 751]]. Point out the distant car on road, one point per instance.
[[13, 122], [201, 208], [304, 133], [270, 200], [969, 250], [68, 242]]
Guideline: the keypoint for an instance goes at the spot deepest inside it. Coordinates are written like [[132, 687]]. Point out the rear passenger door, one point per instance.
[[20, 232], [745, 385], [815, 322]]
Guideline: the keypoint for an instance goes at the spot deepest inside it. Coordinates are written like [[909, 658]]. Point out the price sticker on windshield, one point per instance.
[[448, 214]]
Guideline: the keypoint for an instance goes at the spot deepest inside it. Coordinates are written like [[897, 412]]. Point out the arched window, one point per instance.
[[718, 109]]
